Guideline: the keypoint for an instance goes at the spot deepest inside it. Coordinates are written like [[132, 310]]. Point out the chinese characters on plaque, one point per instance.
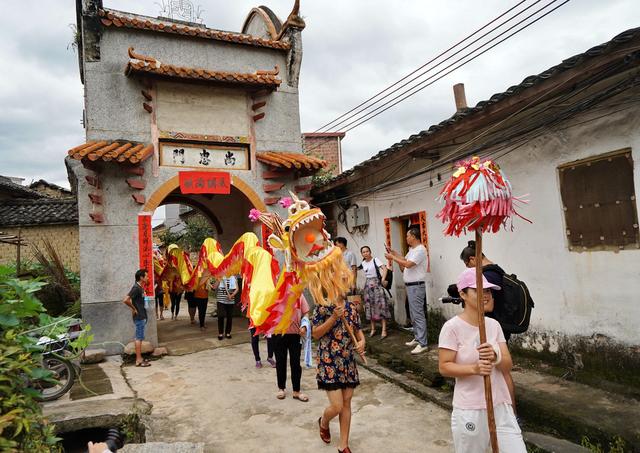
[[217, 157], [205, 182], [145, 245]]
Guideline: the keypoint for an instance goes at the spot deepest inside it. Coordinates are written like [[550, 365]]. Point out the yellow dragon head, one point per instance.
[[308, 250]]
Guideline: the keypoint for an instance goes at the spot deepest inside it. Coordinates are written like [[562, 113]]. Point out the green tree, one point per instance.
[[197, 229]]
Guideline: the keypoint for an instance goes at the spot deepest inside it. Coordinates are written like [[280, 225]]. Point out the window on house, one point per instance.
[[599, 202]]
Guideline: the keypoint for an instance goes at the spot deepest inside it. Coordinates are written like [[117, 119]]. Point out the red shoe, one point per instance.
[[346, 450], [325, 434]]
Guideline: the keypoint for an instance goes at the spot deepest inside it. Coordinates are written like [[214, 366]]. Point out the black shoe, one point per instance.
[[220, 337]]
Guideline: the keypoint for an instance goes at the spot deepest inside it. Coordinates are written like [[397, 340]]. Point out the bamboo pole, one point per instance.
[[353, 337], [18, 245], [483, 339]]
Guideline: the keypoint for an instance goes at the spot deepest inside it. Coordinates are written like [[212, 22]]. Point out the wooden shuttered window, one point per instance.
[[599, 202]]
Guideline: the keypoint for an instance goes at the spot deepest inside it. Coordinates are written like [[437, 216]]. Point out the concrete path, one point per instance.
[[218, 397]]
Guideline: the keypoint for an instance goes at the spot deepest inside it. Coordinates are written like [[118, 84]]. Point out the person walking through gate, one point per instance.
[[200, 300], [376, 304], [414, 273], [159, 300], [337, 373], [135, 301], [462, 357], [291, 342], [175, 294], [226, 290]]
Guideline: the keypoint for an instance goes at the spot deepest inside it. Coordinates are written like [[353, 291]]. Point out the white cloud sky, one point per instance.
[[351, 50]]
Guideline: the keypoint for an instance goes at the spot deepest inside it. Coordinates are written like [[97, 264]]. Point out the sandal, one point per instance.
[[325, 434], [144, 363], [346, 450], [281, 395], [301, 397], [384, 335], [373, 332]]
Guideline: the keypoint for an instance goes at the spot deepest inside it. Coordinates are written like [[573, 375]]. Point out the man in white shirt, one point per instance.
[[414, 273], [348, 257]]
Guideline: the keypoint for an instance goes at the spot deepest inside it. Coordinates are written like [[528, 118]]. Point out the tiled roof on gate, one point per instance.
[[117, 151], [16, 190], [44, 211], [113, 18], [149, 65], [528, 82], [291, 160]]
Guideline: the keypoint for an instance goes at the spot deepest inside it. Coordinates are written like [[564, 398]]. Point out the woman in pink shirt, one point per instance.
[[465, 359]]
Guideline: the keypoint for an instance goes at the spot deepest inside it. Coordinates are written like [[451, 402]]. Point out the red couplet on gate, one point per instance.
[[145, 249], [205, 182]]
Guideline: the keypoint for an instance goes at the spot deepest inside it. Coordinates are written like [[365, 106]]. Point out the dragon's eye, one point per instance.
[[286, 228]]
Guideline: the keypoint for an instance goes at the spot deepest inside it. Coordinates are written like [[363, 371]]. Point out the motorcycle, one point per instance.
[[58, 358]]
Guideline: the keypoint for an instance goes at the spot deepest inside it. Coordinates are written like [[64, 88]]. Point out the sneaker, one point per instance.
[[258, 364], [418, 349], [412, 342], [272, 362]]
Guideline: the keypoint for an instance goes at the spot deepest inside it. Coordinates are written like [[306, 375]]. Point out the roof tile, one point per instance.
[[142, 64], [127, 20], [122, 152], [44, 211], [291, 160]]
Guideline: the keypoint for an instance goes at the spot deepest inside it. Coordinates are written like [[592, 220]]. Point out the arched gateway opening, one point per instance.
[[228, 219]]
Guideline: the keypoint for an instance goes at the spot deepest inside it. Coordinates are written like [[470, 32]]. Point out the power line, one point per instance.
[[414, 90], [426, 64], [454, 155], [370, 115]]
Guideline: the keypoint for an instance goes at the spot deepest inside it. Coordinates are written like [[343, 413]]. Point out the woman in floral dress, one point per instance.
[[376, 304], [337, 372]]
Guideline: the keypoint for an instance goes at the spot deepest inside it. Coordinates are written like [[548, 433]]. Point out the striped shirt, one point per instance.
[[226, 287]]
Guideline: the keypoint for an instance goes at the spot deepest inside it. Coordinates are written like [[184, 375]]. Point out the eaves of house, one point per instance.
[[575, 85]]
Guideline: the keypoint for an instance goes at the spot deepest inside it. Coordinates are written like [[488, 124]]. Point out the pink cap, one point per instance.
[[468, 280]]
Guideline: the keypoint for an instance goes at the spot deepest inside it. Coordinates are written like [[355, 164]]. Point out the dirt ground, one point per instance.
[[218, 397]]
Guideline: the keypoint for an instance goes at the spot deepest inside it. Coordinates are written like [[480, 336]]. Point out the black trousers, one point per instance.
[[201, 303], [175, 303], [255, 342], [225, 311], [160, 301], [289, 342]]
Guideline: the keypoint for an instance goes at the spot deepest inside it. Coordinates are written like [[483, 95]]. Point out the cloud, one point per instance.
[[351, 50]]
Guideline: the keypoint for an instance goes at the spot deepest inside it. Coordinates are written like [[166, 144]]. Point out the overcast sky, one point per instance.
[[352, 49]]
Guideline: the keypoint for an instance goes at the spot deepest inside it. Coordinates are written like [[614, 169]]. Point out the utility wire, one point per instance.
[[325, 126], [370, 115], [422, 85], [453, 155]]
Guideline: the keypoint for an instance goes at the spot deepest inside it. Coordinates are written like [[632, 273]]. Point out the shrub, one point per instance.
[[22, 426]]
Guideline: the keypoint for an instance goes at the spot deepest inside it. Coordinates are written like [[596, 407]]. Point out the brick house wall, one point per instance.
[[65, 240], [327, 146]]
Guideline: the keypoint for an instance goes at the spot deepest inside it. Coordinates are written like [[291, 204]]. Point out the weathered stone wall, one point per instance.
[[65, 240]]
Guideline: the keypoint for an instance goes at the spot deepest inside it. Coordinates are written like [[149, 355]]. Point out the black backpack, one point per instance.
[[513, 303]]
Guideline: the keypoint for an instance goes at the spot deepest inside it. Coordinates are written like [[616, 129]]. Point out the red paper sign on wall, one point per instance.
[[145, 249], [205, 182]]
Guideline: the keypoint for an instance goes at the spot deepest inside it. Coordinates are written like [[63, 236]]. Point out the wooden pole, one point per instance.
[[353, 337], [18, 245], [483, 339]]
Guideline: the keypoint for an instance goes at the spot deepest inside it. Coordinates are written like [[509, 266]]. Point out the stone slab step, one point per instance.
[[164, 447]]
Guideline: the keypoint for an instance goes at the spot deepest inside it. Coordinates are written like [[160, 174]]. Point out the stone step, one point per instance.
[[163, 447]]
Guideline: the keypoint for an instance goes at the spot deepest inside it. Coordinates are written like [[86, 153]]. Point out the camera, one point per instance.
[[451, 300], [454, 295]]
